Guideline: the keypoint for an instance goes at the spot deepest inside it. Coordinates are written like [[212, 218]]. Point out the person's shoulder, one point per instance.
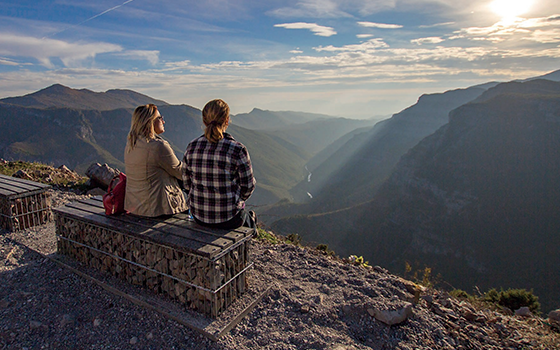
[[230, 140], [159, 143], [197, 141], [201, 138], [158, 140]]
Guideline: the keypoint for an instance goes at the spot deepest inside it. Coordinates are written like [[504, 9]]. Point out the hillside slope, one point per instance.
[[355, 170], [315, 302], [80, 136], [358, 177], [477, 201], [77, 138]]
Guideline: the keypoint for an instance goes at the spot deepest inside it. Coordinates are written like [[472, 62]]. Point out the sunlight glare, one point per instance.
[[508, 9]]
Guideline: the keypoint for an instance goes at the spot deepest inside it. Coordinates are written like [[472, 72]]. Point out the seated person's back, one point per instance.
[[152, 169], [217, 173]]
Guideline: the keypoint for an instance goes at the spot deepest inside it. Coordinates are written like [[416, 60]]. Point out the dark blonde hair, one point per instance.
[[142, 124], [215, 116]]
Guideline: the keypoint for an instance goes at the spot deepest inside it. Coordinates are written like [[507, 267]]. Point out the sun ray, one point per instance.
[[510, 9]]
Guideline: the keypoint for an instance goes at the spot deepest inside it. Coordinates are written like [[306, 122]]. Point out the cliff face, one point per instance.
[[356, 170], [478, 201]]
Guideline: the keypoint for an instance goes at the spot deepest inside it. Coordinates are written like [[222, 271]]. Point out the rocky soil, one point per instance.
[[315, 302]]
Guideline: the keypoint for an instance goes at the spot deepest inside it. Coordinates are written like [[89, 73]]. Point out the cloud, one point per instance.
[[151, 56], [545, 36], [313, 27], [437, 25], [311, 8], [361, 36], [379, 25], [43, 50], [296, 51], [342, 70], [369, 45], [331, 8], [180, 65], [539, 22], [514, 27], [8, 62], [428, 40]]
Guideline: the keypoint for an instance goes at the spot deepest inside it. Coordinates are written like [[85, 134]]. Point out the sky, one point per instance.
[[347, 58]]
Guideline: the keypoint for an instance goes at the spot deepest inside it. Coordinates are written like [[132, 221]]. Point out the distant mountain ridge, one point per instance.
[[259, 119], [529, 87], [77, 138], [60, 96], [353, 172], [314, 136], [59, 125]]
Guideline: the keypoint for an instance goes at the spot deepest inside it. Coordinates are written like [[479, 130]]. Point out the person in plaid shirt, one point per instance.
[[217, 173]]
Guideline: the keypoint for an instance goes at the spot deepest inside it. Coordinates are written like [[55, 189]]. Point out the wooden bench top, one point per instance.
[[13, 187], [177, 231]]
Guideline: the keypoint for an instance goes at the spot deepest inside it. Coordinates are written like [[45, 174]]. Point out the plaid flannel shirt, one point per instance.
[[219, 178]]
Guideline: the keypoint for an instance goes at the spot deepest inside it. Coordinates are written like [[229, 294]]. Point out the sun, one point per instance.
[[508, 9]]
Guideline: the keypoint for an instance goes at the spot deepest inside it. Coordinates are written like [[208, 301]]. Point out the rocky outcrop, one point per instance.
[[554, 318], [392, 317]]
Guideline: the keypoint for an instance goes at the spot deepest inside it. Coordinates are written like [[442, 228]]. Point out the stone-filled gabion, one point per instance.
[[23, 203], [206, 285]]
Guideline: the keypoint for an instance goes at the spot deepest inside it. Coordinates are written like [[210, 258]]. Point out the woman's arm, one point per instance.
[[187, 181], [167, 160], [245, 171]]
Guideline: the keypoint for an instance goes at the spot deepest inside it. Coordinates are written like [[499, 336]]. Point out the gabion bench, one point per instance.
[[23, 203], [202, 268]]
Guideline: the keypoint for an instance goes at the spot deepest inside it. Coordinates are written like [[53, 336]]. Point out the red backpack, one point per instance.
[[113, 200]]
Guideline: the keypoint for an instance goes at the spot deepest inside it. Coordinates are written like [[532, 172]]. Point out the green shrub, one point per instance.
[[423, 276], [293, 238], [45, 174], [513, 299], [460, 294], [267, 236], [325, 250], [491, 296], [322, 247]]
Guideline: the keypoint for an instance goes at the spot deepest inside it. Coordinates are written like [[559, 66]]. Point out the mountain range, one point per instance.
[[477, 201], [352, 173], [59, 125], [60, 96], [461, 181]]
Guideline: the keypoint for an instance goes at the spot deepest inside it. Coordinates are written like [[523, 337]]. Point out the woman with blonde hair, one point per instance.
[[152, 169], [217, 173]]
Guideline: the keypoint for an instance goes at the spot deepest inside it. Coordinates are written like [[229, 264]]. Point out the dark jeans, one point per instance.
[[243, 218]]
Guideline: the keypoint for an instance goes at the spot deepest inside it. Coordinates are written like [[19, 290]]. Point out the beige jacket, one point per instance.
[[152, 171]]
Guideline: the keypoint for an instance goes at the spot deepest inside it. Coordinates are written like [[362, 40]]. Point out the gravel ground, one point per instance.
[[315, 303]]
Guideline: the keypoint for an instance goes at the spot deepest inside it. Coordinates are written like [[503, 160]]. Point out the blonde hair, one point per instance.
[[215, 116], [142, 124]]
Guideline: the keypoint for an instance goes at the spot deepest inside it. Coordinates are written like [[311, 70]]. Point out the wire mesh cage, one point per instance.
[[207, 285], [23, 203]]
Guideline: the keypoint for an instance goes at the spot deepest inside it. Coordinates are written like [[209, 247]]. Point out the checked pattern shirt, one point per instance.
[[218, 177]]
